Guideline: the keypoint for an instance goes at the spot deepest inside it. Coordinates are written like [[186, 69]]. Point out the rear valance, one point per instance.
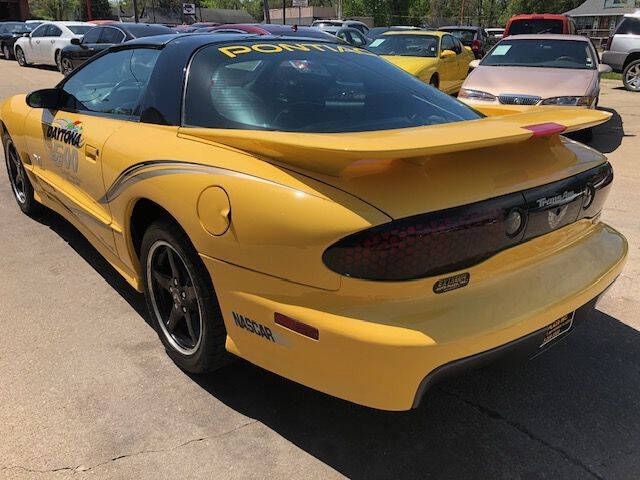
[[331, 153]]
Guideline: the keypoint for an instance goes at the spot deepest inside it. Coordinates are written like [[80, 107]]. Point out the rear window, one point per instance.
[[629, 26], [465, 36], [139, 31], [79, 29], [309, 87], [519, 27]]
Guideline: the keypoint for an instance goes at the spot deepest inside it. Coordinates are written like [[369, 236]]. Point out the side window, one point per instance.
[[358, 39], [40, 31], [111, 36], [53, 31], [344, 35], [447, 43], [112, 84], [629, 26], [92, 35], [457, 46]]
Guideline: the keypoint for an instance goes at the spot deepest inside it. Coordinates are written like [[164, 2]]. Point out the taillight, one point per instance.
[[457, 238], [475, 45], [428, 244]]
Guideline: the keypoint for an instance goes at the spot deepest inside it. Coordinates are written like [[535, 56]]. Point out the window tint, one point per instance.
[[536, 26], [112, 84], [40, 31], [629, 26], [111, 36], [465, 36], [447, 43], [52, 31], [457, 46], [303, 87], [92, 35]]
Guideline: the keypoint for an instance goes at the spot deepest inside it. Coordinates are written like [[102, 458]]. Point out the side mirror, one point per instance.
[[468, 48], [75, 41], [474, 63], [604, 68], [26, 35], [49, 98], [447, 54]]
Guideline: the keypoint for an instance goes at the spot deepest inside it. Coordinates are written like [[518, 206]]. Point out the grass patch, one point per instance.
[[612, 76]]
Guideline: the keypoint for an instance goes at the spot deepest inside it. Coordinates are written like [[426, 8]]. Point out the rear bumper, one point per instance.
[[614, 59], [514, 352], [382, 344]]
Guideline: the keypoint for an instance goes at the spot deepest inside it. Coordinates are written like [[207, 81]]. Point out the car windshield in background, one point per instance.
[[519, 27], [405, 45], [80, 29], [541, 53], [327, 24], [309, 87], [465, 36]]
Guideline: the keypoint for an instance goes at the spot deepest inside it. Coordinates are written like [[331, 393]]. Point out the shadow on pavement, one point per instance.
[[81, 245], [608, 136], [570, 413]]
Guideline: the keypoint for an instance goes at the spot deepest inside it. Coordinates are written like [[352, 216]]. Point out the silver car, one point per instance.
[[623, 51]]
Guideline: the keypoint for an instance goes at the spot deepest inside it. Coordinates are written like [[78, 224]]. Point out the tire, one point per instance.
[[583, 136], [18, 179], [435, 81], [175, 281], [6, 51], [631, 76], [22, 61], [57, 60], [66, 66]]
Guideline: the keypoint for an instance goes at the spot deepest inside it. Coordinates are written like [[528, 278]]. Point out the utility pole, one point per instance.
[[267, 14], [135, 11], [462, 12], [339, 12], [89, 10], [284, 12]]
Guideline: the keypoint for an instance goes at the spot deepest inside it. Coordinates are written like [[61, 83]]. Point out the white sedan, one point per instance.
[[44, 44]]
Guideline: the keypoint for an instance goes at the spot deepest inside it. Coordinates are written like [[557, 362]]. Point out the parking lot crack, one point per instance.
[[495, 415], [81, 468]]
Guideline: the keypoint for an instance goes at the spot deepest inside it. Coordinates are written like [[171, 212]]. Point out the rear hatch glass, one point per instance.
[[535, 26]]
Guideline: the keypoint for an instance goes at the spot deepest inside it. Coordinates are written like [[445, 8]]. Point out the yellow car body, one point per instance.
[[447, 69], [261, 207]]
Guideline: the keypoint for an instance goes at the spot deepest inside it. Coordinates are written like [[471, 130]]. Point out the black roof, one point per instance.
[[197, 39]]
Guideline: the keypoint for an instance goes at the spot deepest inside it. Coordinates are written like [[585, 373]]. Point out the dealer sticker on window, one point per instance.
[[558, 328]]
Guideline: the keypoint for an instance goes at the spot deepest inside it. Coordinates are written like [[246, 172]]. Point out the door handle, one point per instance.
[[91, 152]]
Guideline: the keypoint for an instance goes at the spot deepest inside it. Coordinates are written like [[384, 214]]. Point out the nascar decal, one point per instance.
[[234, 50], [66, 131], [254, 327]]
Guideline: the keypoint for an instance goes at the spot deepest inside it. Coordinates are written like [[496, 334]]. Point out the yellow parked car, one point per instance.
[[436, 58], [307, 206]]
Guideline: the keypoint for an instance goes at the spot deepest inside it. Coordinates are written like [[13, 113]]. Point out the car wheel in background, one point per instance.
[[631, 76], [20, 183], [66, 67], [22, 61], [181, 300], [6, 51], [435, 81], [57, 60]]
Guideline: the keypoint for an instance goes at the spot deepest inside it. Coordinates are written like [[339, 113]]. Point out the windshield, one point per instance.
[[309, 87], [519, 27], [542, 53], [465, 36], [80, 29], [405, 45]]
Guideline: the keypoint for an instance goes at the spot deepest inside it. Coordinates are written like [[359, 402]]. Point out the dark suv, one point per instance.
[[623, 51], [473, 37]]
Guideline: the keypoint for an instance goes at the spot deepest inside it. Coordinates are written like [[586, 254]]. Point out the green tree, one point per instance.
[[54, 9], [100, 10]]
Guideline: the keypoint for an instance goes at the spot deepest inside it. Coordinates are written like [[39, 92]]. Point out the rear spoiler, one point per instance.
[[331, 153]]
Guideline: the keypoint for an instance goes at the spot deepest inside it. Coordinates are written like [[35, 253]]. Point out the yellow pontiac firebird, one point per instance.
[[436, 58], [311, 208]]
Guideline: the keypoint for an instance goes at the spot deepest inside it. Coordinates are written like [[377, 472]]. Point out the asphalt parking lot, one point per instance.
[[86, 389]]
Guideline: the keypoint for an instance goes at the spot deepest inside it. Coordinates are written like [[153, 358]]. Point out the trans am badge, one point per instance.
[[65, 138]]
